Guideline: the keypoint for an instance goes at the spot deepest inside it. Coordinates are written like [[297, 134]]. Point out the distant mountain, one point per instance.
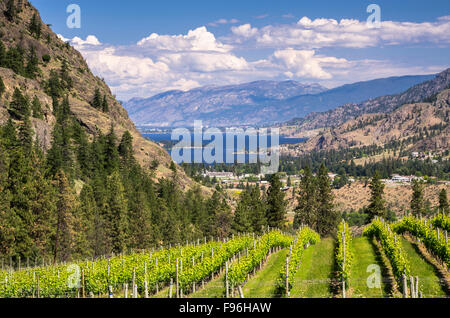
[[384, 104], [422, 126], [257, 103]]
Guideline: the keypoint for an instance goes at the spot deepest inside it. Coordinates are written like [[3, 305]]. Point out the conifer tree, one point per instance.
[[19, 107], [306, 210], [377, 204], [417, 199], [276, 205], [105, 106], [11, 10], [35, 26], [126, 148], [327, 217], [257, 210], [2, 87], [32, 65], [36, 108], [112, 160], [117, 213], [242, 222], [97, 100], [443, 202], [65, 230]]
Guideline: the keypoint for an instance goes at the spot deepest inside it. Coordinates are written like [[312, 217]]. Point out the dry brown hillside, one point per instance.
[[16, 34], [428, 122]]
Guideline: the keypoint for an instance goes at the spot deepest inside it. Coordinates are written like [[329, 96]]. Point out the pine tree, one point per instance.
[[117, 213], [140, 227], [65, 79], [2, 87], [36, 108], [19, 107], [87, 221], [25, 136], [327, 217], [377, 204], [105, 106], [112, 159], [443, 202], [11, 10], [417, 199], [32, 65], [126, 148], [306, 210], [276, 205], [257, 210], [242, 222], [65, 230], [35, 26], [97, 100]]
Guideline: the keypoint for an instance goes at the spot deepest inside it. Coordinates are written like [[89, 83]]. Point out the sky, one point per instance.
[[142, 48]]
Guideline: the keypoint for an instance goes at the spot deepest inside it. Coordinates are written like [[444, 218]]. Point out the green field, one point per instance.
[[316, 269], [429, 281], [262, 285], [365, 256]]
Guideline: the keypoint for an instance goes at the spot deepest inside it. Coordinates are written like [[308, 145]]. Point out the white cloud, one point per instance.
[[244, 30], [350, 33], [159, 63], [306, 64], [223, 22], [196, 40]]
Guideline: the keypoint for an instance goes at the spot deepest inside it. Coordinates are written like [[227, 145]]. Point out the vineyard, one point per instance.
[[407, 259]]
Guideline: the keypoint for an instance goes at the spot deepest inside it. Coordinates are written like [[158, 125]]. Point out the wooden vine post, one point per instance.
[[227, 293], [343, 263], [287, 276]]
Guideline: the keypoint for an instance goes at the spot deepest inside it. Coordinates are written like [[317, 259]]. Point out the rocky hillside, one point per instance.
[[19, 37], [383, 104], [257, 103], [425, 127]]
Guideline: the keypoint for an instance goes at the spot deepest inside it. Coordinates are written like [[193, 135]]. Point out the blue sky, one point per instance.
[[238, 41]]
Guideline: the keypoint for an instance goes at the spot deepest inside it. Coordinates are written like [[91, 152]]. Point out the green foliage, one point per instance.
[[19, 108], [46, 58], [97, 100], [344, 270], [305, 238], [427, 234], [35, 26], [443, 202], [377, 206], [276, 204], [237, 272], [36, 108], [391, 247], [2, 87], [417, 200]]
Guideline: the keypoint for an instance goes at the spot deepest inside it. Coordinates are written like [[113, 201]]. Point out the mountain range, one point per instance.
[[419, 118], [257, 103]]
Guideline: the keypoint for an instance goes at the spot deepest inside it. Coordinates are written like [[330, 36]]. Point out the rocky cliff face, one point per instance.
[[51, 52]]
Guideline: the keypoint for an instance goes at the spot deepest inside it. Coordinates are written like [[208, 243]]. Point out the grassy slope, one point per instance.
[[312, 279], [428, 280], [262, 285], [213, 289], [364, 257]]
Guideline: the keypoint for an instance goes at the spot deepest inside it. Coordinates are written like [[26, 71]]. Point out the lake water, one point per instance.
[[158, 137], [249, 156]]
